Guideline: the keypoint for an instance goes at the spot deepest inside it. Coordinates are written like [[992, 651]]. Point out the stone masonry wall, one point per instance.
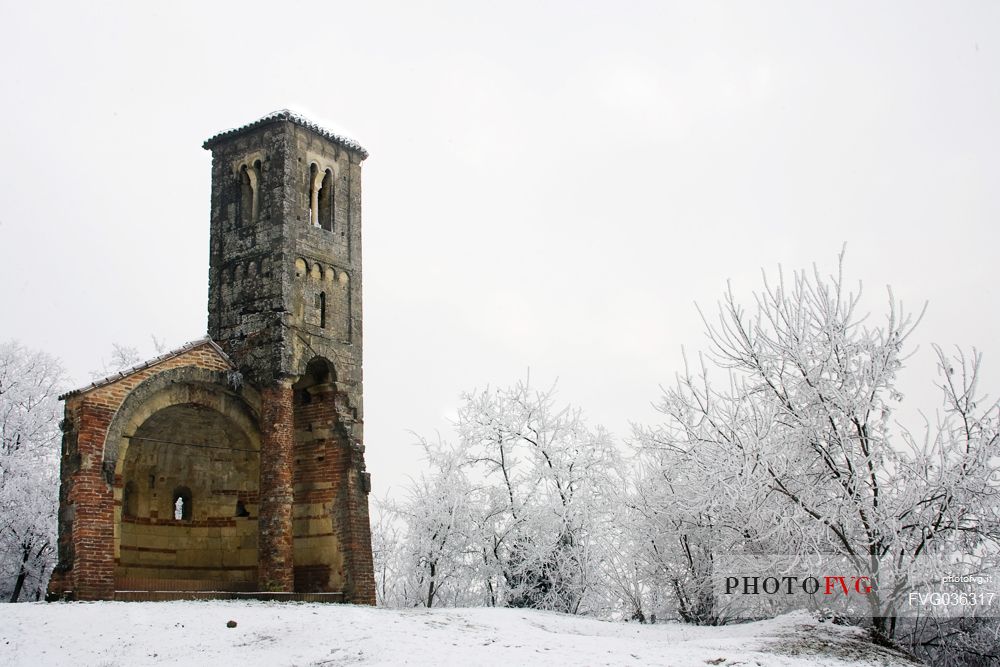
[[285, 287], [217, 540]]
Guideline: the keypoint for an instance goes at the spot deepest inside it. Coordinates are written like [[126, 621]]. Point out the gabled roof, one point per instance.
[[292, 117], [207, 340]]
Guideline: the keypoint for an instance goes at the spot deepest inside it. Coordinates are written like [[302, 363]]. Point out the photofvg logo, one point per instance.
[[943, 586], [809, 585]]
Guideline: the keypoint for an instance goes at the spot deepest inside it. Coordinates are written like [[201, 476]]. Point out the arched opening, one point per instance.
[[130, 499], [319, 378], [248, 193], [314, 184], [182, 506], [323, 467], [321, 197], [185, 468], [325, 201]]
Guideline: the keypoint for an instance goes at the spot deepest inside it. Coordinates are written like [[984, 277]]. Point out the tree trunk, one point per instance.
[[21, 576], [430, 588]]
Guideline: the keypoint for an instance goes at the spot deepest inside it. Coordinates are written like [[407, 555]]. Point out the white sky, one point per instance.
[[551, 185]]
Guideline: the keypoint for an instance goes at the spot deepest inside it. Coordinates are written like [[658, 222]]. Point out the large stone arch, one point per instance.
[[185, 433], [188, 384]]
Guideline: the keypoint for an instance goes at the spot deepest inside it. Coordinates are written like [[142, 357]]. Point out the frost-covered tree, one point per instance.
[[426, 537], [509, 515], [385, 548], [549, 477], [674, 535], [779, 440], [795, 450], [630, 578], [30, 382]]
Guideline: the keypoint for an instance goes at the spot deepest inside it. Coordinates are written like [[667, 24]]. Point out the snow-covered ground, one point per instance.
[[106, 634]]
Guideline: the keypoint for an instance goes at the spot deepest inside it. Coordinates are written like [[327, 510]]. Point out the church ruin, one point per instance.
[[234, 465]]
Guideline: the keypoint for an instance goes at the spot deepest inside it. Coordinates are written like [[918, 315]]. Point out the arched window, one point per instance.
[[314, 184], [325, 201], [255, 177], [130, 500], [321, 197], [248, 193], [183, 508]]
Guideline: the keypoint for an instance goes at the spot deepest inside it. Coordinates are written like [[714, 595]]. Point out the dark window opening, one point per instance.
[[312, 195], [325, 202], [130, 500], [302, 397], [246, 197], [241, 509], [182, 504], [321, 306], [320, 193]]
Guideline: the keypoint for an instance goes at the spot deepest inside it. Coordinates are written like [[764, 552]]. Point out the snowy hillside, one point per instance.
[[196, 633]]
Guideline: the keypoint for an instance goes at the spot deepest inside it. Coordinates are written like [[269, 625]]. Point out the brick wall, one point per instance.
[[331, 505], [86, 567]]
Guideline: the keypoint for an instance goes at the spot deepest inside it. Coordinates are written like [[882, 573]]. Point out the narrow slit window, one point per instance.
[[321, 306], [130, 500], [254, 175], [314, 186], [246, 196]]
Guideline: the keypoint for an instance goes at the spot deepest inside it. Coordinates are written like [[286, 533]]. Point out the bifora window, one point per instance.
[[321, 197]]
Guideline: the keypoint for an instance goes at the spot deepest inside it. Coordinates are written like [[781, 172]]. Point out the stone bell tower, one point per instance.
[[284, 303]]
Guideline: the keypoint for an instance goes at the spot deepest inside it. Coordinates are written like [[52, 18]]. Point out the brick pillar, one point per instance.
[[352, 524], [359, 533], [93, 533], [275, 556], [91, 573]]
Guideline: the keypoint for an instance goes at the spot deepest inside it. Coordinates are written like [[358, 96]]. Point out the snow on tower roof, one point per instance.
[[292, 117]]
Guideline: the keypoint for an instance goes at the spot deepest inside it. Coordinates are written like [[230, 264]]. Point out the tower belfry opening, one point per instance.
[[234, 465]]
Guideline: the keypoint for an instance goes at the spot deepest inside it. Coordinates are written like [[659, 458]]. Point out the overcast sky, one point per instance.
[[551, 185]]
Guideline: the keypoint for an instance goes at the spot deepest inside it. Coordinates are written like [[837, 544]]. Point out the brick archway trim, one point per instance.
[[188, 384]]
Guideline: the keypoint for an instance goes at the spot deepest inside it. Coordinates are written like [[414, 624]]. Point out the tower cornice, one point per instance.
[[285, 115]]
